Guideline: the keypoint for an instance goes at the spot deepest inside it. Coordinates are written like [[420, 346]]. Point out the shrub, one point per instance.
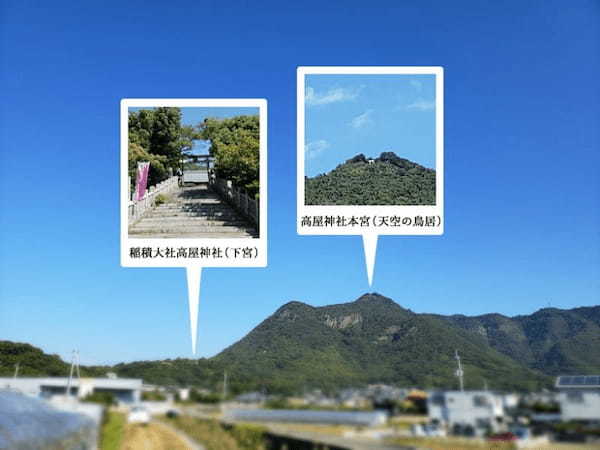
[[160, 199], [153, 396], [104, 398]]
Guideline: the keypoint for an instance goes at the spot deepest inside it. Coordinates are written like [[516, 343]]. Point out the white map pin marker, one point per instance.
[[196, 250], [370, 245], [194, 275]]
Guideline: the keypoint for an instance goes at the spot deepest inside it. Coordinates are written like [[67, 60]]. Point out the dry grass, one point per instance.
[[213, 436], [452, 443], [151, 437]]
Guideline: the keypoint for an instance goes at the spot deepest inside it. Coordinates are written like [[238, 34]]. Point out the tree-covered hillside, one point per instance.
[[370, 340], [551, 340], [387, 180], [34, 362]]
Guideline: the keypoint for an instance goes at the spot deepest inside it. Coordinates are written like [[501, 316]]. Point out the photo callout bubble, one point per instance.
[[370, 153], [179, 209]]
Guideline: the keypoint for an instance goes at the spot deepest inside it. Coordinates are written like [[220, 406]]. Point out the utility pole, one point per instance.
[[459, 372], [224, 385], [74, 364]]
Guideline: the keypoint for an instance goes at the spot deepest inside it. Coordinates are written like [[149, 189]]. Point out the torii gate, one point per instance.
[[198, 175]]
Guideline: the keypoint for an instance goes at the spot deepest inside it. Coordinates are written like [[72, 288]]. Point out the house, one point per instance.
[[579, 397], [469, 412], [124, 390]]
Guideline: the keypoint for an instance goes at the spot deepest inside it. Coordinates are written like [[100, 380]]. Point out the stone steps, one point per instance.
[[160, 228], [178, 235], [194, 212], [192, 221]]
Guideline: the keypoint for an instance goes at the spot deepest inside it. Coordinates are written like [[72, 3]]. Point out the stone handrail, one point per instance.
[[137, 208], [237, 197]]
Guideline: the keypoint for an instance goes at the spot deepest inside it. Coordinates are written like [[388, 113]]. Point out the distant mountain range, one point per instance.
[[371, 340], [387, 180]]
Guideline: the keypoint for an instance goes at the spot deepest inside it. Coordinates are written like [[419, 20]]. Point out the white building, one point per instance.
[[481, 410], [125, 390], [184, 394], [579, 397]]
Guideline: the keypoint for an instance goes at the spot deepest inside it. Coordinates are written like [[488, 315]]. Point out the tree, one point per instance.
[[235, 144], [156, 136]]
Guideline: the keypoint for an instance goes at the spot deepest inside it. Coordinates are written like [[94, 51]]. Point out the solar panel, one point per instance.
[[579, 380], [592, 381], [564, 381]]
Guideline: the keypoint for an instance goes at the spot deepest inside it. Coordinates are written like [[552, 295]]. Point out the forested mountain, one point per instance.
[[387, 180], [551, 340], [370, 340], [34, 362]]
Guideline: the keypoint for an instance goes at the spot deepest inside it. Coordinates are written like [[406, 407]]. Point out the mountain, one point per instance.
[[551, 340], [371, 340], [387, 180], [34, 362]]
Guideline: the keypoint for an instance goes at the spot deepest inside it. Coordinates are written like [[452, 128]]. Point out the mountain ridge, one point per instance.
[[373, 339], [385, 180]]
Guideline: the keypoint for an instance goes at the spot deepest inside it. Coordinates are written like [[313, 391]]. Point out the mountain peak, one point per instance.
[[372, 296], [293, 306], [365, 180]]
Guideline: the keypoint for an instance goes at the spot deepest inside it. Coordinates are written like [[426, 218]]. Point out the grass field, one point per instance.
[[112, 431], [453, 443], [214, 436]]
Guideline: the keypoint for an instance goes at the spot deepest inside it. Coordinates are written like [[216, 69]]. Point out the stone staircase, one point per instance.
[[193, 212]]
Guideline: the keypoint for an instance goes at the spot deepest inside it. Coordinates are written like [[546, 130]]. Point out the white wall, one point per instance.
[[579, 405]]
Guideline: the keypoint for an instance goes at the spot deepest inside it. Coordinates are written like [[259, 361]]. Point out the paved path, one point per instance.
[[192, 212]]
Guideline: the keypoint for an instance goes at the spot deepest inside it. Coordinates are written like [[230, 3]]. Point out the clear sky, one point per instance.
[[522, 160], [350, 114]]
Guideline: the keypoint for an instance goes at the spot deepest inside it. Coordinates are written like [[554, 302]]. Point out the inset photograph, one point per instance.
[[193, 172], [369, 139]]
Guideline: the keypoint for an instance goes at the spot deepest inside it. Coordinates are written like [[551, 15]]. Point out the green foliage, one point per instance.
[[541, 407], [215, 436], [104, 398], [112, 431], [370, 340], [388, 180], [153, 396], [160, 199], [199, 397], [33, 362], [156, 135], [553, 341], [249, 437], [235, 145]]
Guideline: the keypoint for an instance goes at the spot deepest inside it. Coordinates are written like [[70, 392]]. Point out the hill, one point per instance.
[[34, 362], [551, 340], [387, 180], [370, 340]]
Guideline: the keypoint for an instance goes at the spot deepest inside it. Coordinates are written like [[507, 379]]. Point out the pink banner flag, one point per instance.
[[141, 180]]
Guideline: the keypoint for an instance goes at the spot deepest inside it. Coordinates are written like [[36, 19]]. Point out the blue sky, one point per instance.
[[522, 159], [350, 114]]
